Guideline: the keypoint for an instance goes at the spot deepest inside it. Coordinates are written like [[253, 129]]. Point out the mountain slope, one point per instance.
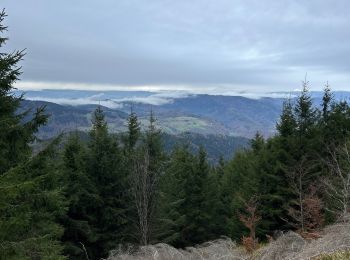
[[239, 115], [215, 145], [65, 118]]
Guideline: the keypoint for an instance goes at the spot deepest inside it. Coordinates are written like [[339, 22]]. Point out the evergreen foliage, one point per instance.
[[133, 134], [15, 136], [105, 169], [82, 196], [31, 204], [31, 200]]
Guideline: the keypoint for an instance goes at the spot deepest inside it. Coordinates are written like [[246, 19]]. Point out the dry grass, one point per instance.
[[334, 238], [224, 249], [341, 255], [286, 246], [334, 244]]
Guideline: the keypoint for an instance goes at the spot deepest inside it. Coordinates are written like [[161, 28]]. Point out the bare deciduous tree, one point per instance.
[[313, 210], [250, 220], [298, 176], [143, 189], [338, 186]]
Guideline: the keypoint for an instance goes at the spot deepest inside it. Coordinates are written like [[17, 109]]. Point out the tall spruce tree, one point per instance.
[[337, 130], [153, 142], [213, 202], [327, 100], [134, 131], [173, 208], [287, 125], [104, 168], [15, 135], [239, 183], [81, 194], [31, 201], [31, 204], [305, 113], [198, 212]]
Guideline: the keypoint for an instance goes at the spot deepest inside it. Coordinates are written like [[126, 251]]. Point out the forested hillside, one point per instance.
[[111, 190], [218, 147], [201, 114]]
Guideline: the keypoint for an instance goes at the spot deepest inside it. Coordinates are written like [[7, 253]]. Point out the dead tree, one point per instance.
[[313, 210], [143, 189], [250, 219], [306, 211], [338, 185], [297, 178]]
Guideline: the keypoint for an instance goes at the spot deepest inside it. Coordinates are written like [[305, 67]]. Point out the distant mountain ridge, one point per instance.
[[203, 114], [239, 115], [176, 113]]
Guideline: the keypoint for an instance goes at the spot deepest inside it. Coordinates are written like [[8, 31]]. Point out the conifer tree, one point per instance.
[[173, 204], [257, 143], [327, 100], [197, 210], [305, 113], [104, 168], [81, 194], [133, 131], [31, 204], [337, 130], [287, 125], [153, 140], [31, 201], [213, 202], [239, 183], [274, 192], [220, 168], [224, 210], [15, 135]]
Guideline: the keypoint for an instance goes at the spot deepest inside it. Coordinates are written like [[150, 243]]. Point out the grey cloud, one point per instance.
[[111, 102], [265, 44]]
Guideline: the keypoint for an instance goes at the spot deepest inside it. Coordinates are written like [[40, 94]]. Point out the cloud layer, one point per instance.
[[242, 45]]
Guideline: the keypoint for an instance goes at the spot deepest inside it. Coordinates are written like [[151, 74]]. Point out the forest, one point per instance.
[[80, 199]]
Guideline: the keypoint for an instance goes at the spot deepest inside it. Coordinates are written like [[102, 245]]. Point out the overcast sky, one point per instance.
[[200, 46]]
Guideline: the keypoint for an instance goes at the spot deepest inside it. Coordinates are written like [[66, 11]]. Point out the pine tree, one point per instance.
[[239, 183], [31, 204], [327, 100], [287, 125], [154, 145], [257, 143], [15, 135], [31, 201], [220, 168], [305, 113], [197, 215], [273, 192], [105, 169], [79, 236], [173, 208], [213, 204], [337, 129], [134, 133], [223, 205]]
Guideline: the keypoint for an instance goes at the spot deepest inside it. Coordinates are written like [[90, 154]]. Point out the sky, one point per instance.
[[199, 46]]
